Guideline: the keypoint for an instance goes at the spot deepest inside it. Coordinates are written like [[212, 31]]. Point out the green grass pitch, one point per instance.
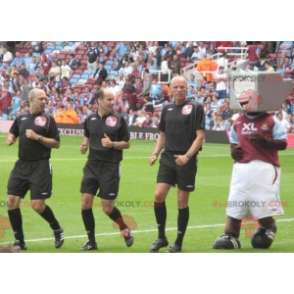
[[137, 186]]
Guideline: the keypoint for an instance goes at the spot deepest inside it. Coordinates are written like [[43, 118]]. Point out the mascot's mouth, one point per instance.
[[243, 101]]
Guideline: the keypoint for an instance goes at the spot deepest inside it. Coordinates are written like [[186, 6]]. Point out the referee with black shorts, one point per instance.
[[182, 132], [38, 133], [106, 135]]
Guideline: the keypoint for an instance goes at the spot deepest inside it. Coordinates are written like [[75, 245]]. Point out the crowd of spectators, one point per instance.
[[139, 95]]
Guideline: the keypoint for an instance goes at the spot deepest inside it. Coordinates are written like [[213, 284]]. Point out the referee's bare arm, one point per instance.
[[160, 143], [85, 145], [48, 142]]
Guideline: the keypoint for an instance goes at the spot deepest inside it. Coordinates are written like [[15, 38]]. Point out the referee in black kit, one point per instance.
[[182, 132], [106, 135], [38, 133]]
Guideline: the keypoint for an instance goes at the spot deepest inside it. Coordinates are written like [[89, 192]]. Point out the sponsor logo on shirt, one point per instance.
[[187, 109], [248, 129], [170, 109], [40, 121], [23, 118], [111, 121]]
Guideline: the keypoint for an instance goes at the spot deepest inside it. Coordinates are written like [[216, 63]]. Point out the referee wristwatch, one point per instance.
[[113, 144], [189, 155], [40, 138]]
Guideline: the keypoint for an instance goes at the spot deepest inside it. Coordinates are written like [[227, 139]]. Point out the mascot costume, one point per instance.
[[256, 137]]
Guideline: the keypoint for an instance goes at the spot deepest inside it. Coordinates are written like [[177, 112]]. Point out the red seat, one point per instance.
[[84, 61], [78, 56], [82, 52], [23, 50], [78, 71], [84, 57], [94, 91], [110, 44], [90, 86], [77, 89], [61, 55]]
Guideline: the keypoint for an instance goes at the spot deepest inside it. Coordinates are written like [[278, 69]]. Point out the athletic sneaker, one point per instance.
[[226, 242], [174, 249], [128, 236], [20, 246], [157, 244], [89, 246], [59, 237]]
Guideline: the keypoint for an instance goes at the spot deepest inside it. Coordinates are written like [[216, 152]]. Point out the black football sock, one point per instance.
[[89, 223], [266, 223], [183, 218], [233, 227], [16, 223], [48, 215], [116, 216], [160, 214]]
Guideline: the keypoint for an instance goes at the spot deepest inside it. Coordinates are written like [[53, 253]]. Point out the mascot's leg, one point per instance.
[[230, 239], [264, 235]]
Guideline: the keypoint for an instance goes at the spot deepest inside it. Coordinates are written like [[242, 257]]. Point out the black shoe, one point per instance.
[[89, 246], [59, 237], [128, 236], [226, 242], [174, 249], [263, 238], [157, 244], [19, 246]]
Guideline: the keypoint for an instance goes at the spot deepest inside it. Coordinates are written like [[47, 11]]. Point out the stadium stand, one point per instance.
[[119, 61]]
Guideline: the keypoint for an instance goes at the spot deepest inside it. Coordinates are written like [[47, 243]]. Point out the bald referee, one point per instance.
[[182, 132], [106, 135], [37, 133]]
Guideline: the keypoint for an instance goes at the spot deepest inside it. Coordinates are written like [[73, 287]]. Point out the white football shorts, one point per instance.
[[254, 190]]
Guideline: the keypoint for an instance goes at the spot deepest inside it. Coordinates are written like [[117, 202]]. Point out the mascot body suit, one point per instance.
[[256, 137]]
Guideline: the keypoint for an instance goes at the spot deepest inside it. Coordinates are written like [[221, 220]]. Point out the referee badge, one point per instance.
[[40, 121], [111, 121], [187, 109]]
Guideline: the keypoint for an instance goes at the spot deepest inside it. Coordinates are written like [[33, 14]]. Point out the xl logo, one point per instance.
[[249, 127]]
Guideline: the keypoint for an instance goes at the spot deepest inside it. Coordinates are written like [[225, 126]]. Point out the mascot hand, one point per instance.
[[259, 139], [268, 143], [236, 152]]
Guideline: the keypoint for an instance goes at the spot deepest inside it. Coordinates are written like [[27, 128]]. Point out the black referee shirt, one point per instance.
[[114, 126], [180, 123], [42, 124]]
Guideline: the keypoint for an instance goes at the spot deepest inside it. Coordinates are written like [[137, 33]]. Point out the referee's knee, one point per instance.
[[13, 202], [159, 196]]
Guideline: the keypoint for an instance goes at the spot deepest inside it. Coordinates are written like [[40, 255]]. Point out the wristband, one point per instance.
[[40, 138], [113, 144], [154, 153]]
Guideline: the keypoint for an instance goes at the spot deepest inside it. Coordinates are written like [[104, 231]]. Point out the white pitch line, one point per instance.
[[144, 231]]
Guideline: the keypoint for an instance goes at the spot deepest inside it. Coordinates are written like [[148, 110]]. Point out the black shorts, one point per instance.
[[103, 176], [173, 174], [35, 176]]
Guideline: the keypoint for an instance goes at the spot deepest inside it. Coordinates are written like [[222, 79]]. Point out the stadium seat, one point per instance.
[[84, 76], [78, 71], [91, 81], [84, 57], [48, 51], [88, 72], [66, 48], [74, 80], [23, 50], [93, 91], [82, 81], [56, 51], [78, 56], [84, 61], [107, 67], [61, 55], [109, 62], [113, 73], [58, 48], [82, 52], [77, 89]]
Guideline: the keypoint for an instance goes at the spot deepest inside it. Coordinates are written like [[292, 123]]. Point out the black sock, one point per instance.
[[160, 214], [16, 223], [116, 216], [183, 218], [89, 222], [48, 215]]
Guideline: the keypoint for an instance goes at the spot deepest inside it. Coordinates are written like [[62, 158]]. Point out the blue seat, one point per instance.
[[73, 81], [58, 48], [114, 73], [77, 76], [107, 67], [109, 62], [48, 51], [50, 47], [84, 76], [87, 72]]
